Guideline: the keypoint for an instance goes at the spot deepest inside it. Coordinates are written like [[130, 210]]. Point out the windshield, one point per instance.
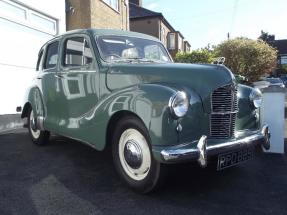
[[131, 49]]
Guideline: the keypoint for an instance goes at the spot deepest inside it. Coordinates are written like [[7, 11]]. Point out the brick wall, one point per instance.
[[164, 32], [103, 16], [97, 14], [80, 17], [146, 26]]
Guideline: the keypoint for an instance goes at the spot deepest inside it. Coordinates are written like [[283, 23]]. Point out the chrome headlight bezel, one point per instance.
[[178, 104], [256, 97]]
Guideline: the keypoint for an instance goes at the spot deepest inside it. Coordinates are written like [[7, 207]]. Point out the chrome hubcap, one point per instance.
[[34, 131], [134, 154]]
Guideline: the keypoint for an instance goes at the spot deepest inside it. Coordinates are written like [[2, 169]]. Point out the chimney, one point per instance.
[[136, 2]]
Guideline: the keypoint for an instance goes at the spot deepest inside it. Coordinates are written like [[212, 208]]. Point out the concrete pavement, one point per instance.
[[68, 177]]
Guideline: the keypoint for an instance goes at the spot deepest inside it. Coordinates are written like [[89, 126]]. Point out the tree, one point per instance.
[[250, 58], [197, 56], [266, 37]]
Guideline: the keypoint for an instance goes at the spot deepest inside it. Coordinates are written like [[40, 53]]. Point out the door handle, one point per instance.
[[59, 76], [39, 78]]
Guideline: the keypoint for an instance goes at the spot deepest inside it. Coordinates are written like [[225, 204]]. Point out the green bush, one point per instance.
[[246, 57], [196, 56]]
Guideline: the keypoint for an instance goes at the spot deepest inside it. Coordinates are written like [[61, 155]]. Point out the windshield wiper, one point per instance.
[[136, 60], [142, 60], [146, 60]]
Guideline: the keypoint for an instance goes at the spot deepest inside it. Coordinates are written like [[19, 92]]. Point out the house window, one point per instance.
[[12, 10], [25, 16], [283, 62], [171, 41], [43, 22], [186, 47], [113, 4]]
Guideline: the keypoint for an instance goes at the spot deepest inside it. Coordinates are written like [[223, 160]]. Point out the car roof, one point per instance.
[[102, 32], [109, 32]]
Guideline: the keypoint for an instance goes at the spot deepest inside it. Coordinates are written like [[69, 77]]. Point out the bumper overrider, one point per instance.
[[203, 150]]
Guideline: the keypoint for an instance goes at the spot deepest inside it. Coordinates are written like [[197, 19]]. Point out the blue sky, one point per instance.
[[208, 21]]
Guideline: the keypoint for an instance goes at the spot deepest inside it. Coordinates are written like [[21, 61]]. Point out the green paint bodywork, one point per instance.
[[82, 103]]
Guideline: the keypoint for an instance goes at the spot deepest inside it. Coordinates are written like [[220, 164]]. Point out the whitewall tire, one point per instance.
[[132, 155], [38, 137]]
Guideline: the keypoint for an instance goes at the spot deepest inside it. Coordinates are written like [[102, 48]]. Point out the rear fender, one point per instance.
[[33, 100]]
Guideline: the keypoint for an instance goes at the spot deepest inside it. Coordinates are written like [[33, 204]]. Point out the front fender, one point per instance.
[[247, 118], [148, 101]]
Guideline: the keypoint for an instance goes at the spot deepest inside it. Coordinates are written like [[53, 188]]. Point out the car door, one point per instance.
[[50, 89], [79, 83]]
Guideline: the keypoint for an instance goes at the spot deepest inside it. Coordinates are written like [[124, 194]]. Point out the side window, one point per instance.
[[77, 52], [39, 61], [52, 55]]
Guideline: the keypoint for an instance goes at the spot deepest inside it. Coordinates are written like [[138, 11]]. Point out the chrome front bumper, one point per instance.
[[203, 151]]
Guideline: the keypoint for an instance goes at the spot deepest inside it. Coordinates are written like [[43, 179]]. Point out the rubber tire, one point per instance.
[[43, 139], [155, 175]]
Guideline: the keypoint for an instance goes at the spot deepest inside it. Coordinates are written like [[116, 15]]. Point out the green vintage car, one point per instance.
[[122, 89]]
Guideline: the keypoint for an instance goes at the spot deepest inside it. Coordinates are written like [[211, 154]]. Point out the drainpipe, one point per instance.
[[127, 15]]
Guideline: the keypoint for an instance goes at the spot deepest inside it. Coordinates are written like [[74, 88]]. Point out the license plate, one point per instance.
[[233, 158]]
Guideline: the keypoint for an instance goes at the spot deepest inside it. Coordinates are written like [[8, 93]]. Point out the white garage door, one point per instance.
[[23, 31]]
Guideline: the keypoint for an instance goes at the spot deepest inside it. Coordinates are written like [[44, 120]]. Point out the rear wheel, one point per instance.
[[133, 157], [38, 137]]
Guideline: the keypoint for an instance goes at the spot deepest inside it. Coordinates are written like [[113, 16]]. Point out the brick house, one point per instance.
[[187, 46], [97, 14], [176, 43], [281, 46], [153, 23]]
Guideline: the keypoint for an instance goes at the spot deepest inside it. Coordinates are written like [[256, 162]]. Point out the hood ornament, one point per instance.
[[219, 61]]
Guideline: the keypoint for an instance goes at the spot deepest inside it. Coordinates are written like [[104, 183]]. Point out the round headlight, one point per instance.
[[179, 104], [256, 97]]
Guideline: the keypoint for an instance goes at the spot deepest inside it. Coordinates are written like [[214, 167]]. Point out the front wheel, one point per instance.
[[132, 155], [38, 137]]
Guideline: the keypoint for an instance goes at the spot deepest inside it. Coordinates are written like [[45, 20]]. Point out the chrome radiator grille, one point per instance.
[[224, 107]]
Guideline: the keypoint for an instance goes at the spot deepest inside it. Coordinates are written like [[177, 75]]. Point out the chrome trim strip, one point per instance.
[[224, 113]]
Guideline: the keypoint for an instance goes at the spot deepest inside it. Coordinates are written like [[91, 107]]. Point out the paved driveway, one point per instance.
[[67, 177]]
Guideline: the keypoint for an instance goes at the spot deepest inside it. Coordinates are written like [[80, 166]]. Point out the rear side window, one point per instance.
[[52, 55], [77, 52]]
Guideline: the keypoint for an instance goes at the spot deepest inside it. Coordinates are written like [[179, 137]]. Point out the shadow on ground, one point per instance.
[[67, 177]]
